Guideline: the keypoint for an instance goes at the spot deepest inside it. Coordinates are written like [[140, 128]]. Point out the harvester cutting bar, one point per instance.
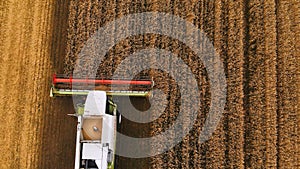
[[71, 80], [66, 92]]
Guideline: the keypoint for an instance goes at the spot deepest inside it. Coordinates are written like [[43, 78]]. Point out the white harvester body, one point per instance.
[[98, 117], [96, 133]]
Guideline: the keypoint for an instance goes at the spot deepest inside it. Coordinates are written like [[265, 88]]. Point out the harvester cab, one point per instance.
[[97, 115]]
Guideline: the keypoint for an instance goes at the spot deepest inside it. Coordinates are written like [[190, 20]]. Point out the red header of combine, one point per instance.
[[71, 80]]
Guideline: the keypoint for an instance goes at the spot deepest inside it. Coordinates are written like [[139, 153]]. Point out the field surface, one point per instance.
[[259, 46]]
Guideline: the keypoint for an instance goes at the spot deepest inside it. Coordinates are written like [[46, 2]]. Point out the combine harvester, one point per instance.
[[98, 118]]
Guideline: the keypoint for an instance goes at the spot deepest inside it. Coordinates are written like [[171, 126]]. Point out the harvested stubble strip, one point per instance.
[[26, 69], [59, 45], [39, 75], [288, 70], [21, 49], [52, 153]]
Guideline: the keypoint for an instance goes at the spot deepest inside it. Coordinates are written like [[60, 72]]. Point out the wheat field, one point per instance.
[[258, 43]]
